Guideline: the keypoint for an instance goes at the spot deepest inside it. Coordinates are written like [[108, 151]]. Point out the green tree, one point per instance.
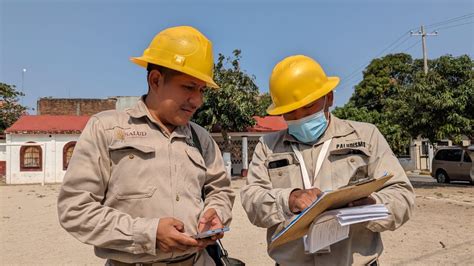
[[232, 107], [405, 103], [10, 109], [394, 133], [440, 105], [264, 101], [383, 79]]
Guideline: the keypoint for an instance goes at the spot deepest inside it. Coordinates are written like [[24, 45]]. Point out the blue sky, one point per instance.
[[82, 48]]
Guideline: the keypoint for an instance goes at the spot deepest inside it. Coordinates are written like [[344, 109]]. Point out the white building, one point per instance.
[[243, 143], [38, 147]]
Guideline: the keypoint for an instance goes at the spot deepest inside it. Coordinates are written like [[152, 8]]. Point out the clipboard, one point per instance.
[[299, 226]]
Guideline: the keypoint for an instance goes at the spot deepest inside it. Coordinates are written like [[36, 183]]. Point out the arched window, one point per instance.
[[67, 153], [31, 158]]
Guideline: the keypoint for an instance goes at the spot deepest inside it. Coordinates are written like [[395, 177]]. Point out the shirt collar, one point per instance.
[[139, 110]]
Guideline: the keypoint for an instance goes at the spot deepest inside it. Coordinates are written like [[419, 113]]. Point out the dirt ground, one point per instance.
[[440, 232]]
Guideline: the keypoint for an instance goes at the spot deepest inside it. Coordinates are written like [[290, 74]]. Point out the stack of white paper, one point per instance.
[[352, 215], [333, 226]]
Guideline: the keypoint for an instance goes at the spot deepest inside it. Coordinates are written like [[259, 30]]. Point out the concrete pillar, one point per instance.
[[227, 163], [430, 157], [9, 159], [245, 156]]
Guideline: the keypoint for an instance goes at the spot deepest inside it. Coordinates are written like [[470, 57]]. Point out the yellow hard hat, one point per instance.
[[183, 49], [297, 81]]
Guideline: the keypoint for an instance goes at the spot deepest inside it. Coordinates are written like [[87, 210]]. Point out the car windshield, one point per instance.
[[469, 156]]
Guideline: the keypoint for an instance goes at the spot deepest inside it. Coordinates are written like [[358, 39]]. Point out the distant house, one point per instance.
[[39, 147], [243, 143]]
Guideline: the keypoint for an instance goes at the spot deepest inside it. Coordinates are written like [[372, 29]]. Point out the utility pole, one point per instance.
[[423, 35], [23, 71]]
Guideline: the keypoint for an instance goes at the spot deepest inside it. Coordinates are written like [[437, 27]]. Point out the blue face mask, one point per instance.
[[308, 129]]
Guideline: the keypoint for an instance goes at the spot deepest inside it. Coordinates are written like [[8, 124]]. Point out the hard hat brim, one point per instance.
[[330, 85], [143, 62]]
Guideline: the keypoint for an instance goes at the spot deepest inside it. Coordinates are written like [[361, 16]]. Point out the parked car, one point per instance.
[[453, 164]]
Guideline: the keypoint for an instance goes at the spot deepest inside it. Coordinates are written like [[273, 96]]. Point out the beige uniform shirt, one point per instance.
[[126, 173], [354, 144]]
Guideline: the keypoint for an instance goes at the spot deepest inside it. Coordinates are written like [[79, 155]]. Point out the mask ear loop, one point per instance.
[[324, 107]]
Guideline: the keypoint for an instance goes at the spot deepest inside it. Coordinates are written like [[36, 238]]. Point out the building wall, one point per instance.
[[124, 102], [236, 153], [52, 151], [50, 106], [3, 168], [3, 150], [421, 152], [407, 163], [466, 142]]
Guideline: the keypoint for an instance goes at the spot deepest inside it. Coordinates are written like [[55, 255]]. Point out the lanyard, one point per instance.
[[306, 181]]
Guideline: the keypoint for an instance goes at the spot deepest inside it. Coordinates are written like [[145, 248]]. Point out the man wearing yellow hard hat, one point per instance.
[[319, 152], [143, 181]]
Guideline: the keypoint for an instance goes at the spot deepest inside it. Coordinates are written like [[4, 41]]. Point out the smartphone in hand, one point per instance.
[[210, 233]]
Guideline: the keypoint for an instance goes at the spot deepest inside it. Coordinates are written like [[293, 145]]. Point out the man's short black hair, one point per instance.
[[166, 72]]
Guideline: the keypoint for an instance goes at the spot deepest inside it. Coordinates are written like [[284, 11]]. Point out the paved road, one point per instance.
[[420, 178], [427, 181]]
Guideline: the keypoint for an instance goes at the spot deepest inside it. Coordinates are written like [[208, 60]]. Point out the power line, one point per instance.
[[411, 46], [407, 38], [451, 20], [352, 75], [403, 35], [403, 39], [356, 71], [453, 26]]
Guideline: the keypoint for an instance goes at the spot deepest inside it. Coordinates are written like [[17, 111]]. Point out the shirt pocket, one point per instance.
[[194, 169], [133, 175], [284, 170], [349, 165]]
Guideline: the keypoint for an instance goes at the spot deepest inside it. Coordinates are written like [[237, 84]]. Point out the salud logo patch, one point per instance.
[[119, 134], [135, 133], [124, 133]]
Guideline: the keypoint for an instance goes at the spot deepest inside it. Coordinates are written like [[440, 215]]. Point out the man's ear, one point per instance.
[[155, 79], [330, 100]]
